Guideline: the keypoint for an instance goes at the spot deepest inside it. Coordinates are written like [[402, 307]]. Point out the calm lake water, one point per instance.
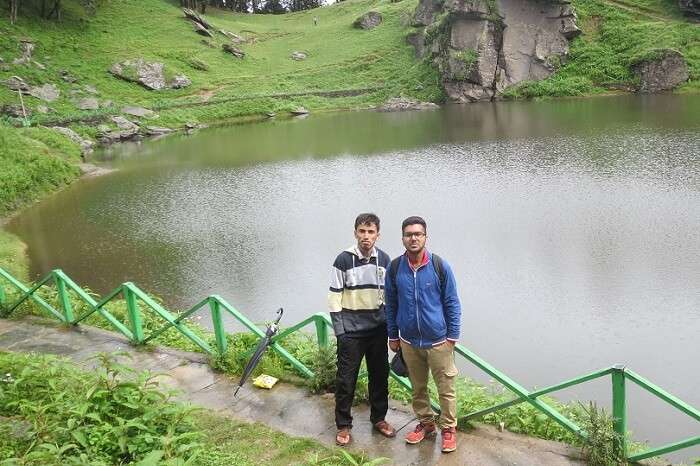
[[573, 227]]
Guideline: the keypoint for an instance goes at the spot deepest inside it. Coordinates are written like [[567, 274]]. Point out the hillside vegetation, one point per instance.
[[374, 64], [345, 68], [617, 34]]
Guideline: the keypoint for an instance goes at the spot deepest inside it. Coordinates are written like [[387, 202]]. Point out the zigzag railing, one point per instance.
[[134, 297]]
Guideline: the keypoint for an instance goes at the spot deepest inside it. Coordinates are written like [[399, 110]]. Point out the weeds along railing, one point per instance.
[[133, 330], [134, 299]]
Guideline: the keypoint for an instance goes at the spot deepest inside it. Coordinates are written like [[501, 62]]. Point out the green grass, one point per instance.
[[33, 162], [53, 413], [339, 57], [13, 257]]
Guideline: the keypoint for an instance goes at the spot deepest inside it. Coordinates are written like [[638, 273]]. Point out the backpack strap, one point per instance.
[[437, 265], [440, 271], [394, 270]]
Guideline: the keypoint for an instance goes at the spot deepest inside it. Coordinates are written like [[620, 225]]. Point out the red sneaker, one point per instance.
[[420, 432], [449, 439]]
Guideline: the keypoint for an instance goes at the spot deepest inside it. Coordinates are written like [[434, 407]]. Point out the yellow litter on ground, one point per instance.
[[265, 381]]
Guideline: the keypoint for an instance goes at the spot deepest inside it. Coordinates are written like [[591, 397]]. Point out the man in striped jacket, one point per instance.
[[356, 302]]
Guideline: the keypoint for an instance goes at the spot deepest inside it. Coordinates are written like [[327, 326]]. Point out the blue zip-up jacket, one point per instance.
[[416, 310]]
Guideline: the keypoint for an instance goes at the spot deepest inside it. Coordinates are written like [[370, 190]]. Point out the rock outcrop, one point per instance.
[[233, 37], [690, 8], [15, 111], [27, 48], [47, 92], [662, 72], [87, 103], [196, 18], [235, 51], [369, 20], [86, 145], [481, 47], [401, 104], [15, 83], [150, 75]]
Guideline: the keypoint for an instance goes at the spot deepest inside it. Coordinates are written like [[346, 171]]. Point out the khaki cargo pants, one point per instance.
[[440, 361]]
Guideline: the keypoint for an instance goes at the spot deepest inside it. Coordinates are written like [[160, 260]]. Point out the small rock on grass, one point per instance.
[[137, 111], [235, 51], [47, 92], [89, 103]]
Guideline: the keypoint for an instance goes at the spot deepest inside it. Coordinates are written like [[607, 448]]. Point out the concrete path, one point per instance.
[[287, 408]]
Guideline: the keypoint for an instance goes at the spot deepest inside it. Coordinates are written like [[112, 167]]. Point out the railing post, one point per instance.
[[132, 308], [64, 297], [619, 410], [3, 297], [219, 332], [321, 333]]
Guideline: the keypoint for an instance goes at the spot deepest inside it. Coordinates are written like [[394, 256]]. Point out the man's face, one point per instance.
[[414, 238], [366, 235]]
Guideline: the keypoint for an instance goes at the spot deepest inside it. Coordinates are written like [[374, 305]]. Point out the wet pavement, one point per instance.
[[288, 408]]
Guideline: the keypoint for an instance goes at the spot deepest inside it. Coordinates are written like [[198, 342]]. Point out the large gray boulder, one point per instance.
[[369, 20], [426, 11], [150, 75], [690, 8], [663, 72], [47, 92], [417, 40], [88, 103], [481, 47]]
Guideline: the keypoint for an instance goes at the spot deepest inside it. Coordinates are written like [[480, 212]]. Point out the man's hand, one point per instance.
[[394, 345], [451, 343]]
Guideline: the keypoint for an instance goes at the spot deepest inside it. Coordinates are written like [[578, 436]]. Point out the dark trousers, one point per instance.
[[351, 350]]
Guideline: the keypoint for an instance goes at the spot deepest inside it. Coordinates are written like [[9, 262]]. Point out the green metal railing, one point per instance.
[[135, 298]]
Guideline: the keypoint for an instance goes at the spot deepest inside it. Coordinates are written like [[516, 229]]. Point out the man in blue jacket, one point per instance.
[[423, 319]]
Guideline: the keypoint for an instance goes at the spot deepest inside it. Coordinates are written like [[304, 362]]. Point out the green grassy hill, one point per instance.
[[375, 63], [369, 66]]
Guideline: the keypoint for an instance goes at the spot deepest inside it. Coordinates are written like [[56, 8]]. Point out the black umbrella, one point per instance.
[[272, 329]]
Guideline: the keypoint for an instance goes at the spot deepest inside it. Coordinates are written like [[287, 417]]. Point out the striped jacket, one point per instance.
[[356, 295]]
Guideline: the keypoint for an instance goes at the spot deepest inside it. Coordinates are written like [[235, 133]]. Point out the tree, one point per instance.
[[14, 8], [274, 7]]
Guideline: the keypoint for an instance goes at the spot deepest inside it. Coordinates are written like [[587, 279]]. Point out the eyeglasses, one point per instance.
[[418, 235]]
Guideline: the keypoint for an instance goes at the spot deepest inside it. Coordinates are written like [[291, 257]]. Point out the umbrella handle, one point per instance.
[[280, 311]]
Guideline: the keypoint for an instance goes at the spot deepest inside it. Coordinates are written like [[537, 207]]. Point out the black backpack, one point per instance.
[[437, 265]]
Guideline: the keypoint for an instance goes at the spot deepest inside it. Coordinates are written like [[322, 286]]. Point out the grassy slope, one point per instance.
[[32, 163], [340, 57], [616, 33]]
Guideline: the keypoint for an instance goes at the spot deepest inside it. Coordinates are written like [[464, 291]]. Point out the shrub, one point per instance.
[[111, 416]]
